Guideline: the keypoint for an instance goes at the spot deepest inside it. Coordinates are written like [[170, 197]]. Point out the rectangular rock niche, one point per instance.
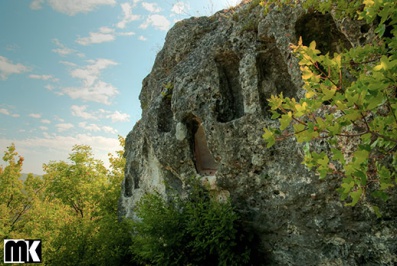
[[203, 159]]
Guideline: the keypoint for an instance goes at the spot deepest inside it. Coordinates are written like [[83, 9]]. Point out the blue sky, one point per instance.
[[71, 70]]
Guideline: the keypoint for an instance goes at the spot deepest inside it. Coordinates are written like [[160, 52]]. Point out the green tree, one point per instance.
[[16, 196], [92, 235], [350, 103], [72, 208]]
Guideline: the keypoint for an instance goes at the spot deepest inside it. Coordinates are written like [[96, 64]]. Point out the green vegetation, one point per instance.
[[167, 90], [350, 104], [72, 208], [193, 231]]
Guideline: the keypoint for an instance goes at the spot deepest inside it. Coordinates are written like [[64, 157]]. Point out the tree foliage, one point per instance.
[[193, 231], [350, 103], [72, 208]]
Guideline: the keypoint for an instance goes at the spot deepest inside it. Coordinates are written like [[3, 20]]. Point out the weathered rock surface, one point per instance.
[[223, 68]]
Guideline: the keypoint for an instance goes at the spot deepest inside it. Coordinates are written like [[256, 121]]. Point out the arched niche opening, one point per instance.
[[165, 115], [204, 161], [131, 180], [231, 104], [273, 77], [322, 29]]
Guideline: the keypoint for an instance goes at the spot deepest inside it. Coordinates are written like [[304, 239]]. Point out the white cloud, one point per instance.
[[44, 77], [142, 38], [8, 68], [92, 88], [73, 7], [90, 127], [4, 111], [104, 35], [151, 7], [127, 14], [108, 129], [91, 73], [36, 4], [157, 21], [43, 128], [119, 117], [49, 87], [100, 92], [35, 115], [62, 50], [45, 121], [96, 128], [64, 126], [180, 8], [128, 33], [7, 112], [79, 111], [67, 63]]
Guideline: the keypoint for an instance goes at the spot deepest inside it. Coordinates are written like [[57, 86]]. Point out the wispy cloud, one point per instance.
[[127, 14], [92, 88], [8, 68], [115, 116], [7, 112], [80, 111], [44, 77], [119, 117], [72, 7], [64, 126], [108, 129], [100, 92], [45, 121], [151, 7], [180, 8], [157, 21], [36, 4], [105, 34], [96, 128], [37, 116], [142, 38], [89, 127], [91, 73], [62, 50]]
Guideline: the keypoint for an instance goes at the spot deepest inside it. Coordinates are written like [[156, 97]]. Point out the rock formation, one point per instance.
[[209, 123]]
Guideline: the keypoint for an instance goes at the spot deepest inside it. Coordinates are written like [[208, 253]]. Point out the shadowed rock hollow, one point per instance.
[[223, 68]]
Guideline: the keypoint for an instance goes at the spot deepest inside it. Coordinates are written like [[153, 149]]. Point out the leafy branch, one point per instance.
[[357, 116]]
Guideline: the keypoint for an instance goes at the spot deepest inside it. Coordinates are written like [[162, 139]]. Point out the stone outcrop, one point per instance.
[[210, 124]]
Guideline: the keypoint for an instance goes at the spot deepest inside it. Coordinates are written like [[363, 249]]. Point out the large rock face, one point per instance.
[[204, 109]]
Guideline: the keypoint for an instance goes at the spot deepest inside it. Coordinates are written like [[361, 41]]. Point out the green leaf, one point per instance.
[[381, 29], [355, 195], [384, 64], [268, 136], [285, 120], [338, 155], [328, 93], [360, 156], [275, 115], [362, 176]]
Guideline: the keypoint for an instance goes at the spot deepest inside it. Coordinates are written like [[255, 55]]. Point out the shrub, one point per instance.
[[197, 230]]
